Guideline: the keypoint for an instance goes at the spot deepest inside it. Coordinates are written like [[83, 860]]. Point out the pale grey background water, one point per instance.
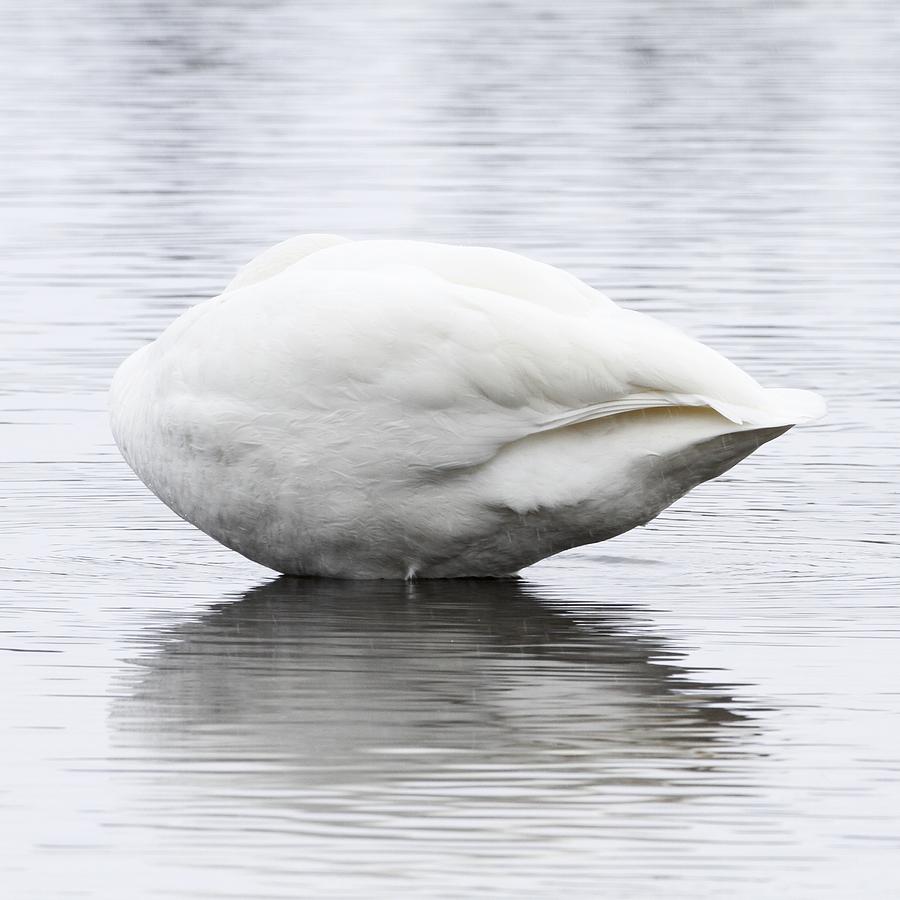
[[707, 706]]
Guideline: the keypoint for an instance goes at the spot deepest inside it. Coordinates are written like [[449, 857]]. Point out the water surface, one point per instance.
[[706, 705]]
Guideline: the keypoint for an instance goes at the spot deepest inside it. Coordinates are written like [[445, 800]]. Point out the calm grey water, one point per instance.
[[707, 706]]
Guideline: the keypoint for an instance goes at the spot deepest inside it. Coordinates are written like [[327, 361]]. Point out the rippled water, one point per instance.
[[708, 705]]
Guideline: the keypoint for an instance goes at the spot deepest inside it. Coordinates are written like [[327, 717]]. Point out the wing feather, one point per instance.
[[455, 352]]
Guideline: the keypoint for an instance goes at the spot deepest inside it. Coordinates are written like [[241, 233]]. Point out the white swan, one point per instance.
[[391, 409]]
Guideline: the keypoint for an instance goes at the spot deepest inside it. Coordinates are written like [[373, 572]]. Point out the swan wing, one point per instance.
[[615, 359], [447, 354], [485, 268], [280, 257]]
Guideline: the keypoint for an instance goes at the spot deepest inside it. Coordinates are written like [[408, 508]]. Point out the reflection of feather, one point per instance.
[[374, 678]]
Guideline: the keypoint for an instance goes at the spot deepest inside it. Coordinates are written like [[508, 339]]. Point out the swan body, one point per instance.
[[392, 409]]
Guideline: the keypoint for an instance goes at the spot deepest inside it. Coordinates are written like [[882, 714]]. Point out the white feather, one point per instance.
[[393, 408]]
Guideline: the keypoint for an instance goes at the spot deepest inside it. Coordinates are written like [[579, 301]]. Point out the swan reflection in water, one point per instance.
[[468, 686]]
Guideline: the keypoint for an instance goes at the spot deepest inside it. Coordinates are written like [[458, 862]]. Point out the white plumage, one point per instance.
[[389, 409]]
